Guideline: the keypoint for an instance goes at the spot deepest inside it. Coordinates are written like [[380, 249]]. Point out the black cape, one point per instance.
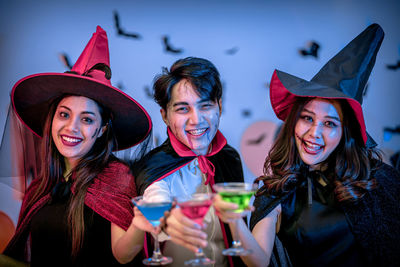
[[163, 160]]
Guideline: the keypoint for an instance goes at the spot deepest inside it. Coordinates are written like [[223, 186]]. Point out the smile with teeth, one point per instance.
[[311, 147], [197, 132], [71, 140]]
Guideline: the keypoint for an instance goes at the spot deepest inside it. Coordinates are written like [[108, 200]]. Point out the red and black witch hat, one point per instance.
[[342, 77], [31, 96]]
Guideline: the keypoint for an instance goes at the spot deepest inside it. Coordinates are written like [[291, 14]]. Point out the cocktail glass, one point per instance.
[[240, 194], [154, 211], [195, 207]]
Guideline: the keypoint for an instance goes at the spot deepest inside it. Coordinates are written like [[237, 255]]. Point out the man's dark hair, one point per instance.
[[201, 73]]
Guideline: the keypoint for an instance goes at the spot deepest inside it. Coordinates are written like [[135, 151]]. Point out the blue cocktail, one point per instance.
[[153, 211]]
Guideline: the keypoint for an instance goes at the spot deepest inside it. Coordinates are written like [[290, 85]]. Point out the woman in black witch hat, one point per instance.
[[78, 211], [326, 192]]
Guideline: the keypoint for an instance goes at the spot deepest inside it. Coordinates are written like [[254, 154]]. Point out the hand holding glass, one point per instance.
[[195, 207], [154, 211], [240, 194]]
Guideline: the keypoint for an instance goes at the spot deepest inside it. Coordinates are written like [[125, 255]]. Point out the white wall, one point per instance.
[[267, 33]]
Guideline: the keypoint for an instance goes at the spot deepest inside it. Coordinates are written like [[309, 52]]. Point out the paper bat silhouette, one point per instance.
[[246, 113], [257, 141], [392, 130], [394, 66], [120, 86], [168, 47], [388, 132], [232, 51], [148, 92], [65, 60], [121, 31], [311, 50]]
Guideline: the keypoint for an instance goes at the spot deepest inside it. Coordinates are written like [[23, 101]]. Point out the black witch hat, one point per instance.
[[342, 77]]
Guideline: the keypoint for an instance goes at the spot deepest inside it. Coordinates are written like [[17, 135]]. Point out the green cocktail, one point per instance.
[[240, 194], [241, 198]]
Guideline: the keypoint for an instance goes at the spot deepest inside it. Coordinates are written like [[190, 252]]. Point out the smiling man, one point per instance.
[[195, 155]]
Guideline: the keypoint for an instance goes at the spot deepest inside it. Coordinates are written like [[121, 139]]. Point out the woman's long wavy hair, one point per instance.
[[53, 166], [350, 164]]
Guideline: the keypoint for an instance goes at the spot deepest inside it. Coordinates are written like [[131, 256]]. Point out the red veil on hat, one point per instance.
[[342, 77], [32, 95]]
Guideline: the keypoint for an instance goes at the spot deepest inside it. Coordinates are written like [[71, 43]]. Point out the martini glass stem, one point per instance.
[[156, 252], [200, 254], [236, 244], [237, 248], [157, 258], [236, 240], [200, 260]]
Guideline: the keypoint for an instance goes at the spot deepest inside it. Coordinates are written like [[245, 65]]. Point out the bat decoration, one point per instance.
[[311, 49], [392, 130], [256, 141], [388, 132], [246, 113], [168, 48], [65, 60], [232, 51], [121, 31], [394, 66], [148, 92], [120, 86]]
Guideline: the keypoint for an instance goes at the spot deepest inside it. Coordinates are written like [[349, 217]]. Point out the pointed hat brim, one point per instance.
[[286, 88], [32, 95]]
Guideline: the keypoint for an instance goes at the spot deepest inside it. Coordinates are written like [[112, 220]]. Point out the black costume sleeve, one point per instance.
[[263, 206]]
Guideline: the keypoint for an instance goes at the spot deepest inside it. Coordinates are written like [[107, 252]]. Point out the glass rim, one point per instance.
[[232, 186], [146, 201], [201, 197]]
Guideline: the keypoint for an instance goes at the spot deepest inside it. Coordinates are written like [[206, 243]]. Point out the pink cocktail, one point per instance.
[[196, 210], [195, 207]]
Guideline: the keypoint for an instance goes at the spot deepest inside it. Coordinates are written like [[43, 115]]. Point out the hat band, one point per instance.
[[100, 71]]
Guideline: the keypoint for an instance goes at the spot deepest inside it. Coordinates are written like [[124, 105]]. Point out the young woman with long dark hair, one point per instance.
[[326, 192], [78, 210]]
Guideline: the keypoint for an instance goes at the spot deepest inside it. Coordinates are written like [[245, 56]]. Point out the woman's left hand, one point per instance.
[[226, 210], [139, 221]]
